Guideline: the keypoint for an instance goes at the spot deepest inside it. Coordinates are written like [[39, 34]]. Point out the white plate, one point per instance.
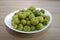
[[8, 18]]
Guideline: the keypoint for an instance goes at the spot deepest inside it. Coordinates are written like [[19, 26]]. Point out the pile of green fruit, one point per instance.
[[30, 19]]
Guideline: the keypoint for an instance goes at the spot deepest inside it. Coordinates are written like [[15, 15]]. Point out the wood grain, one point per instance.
[[52, 33]]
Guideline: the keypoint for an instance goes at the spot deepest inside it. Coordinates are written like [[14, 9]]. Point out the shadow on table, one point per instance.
[[22, 35]]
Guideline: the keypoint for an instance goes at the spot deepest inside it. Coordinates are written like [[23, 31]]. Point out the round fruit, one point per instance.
[[28, 23], [47, 17], [15, 16], [33, 28], [31, 16], [36, 12], [21, 15], [23, 22], [20, 27], [31, 8], [42, 11], [14, 25], [16, 21], [27, 13], [39, 26], [45, 21], [34, 21], [27, 28], [40, 18]]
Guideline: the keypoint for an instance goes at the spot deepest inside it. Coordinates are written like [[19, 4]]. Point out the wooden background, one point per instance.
[[52, 33]]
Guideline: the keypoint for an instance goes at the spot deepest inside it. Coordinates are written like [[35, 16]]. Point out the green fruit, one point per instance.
[[39, 26], [21, 15], [34, 21], [40, 19], [28, 23], [45, 21], [41, 14], [32, 28], [16, 21], [14, 25], [27, 13], [47, 17], [36, 12], [31, 8], [42, 11], [23, 22], [27, 28], [31, 16], [15, 16], [20, 27]]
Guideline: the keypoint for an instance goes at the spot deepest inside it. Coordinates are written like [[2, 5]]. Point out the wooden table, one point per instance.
[[52, 33]]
